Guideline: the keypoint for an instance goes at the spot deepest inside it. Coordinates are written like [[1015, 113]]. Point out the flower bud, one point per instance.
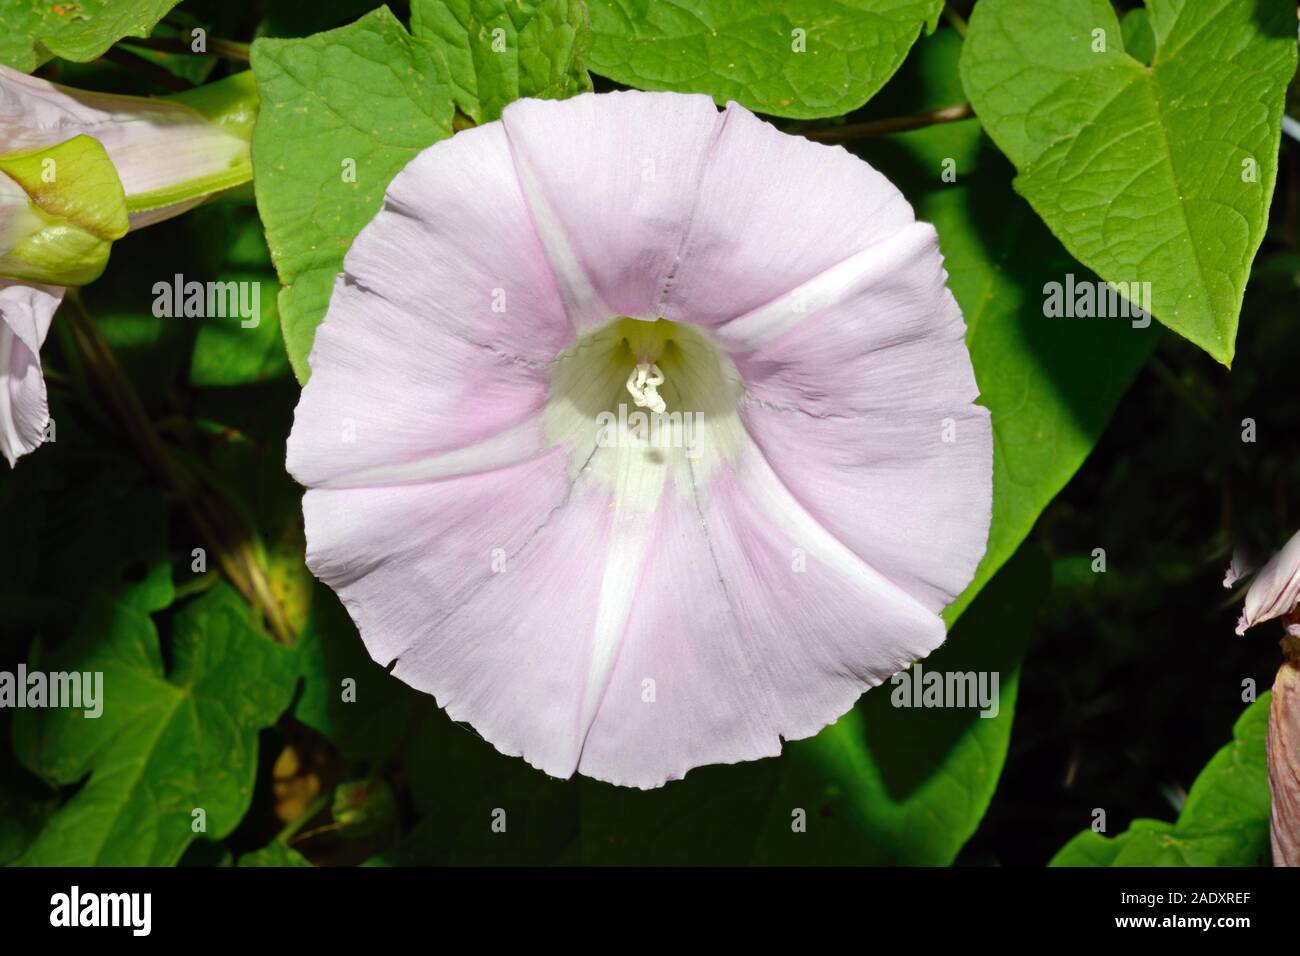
[[61, 207], [170, 153]]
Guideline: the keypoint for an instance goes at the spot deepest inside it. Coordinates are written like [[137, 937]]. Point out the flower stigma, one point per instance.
[[643, 382]]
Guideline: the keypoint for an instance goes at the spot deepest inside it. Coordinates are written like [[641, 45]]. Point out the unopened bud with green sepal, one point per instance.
[[61, 207]]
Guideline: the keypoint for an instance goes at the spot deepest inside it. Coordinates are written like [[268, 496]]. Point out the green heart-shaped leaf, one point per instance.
[[1157, 174]]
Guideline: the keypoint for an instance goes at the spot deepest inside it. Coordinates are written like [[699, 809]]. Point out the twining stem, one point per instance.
[[954, 19], [895, 124], [226, 49], [216, 520]]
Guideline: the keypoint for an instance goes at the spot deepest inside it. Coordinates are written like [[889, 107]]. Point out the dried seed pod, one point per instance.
[[1284, 761]]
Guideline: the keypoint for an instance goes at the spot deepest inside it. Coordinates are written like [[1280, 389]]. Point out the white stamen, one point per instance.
[[642, 383]]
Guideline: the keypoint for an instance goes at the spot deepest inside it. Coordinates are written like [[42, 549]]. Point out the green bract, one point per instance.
[[74, 209], [1159, 174]]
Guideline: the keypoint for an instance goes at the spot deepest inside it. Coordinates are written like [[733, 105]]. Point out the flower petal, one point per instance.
[[773, 212], [483, 590], [25, 314], [894, 463], [396, 397], [751, 625], [851, 341], [454, 246], [908, 492], [611, 180]]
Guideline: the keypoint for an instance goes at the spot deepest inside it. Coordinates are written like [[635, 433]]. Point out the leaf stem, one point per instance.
[[226, 49], [954, 19], [895, 124]]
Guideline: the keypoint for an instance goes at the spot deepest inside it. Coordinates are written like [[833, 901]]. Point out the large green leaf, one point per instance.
[[165, 744], [815, 58], [1223, 823], [366, 97], [500, 50], [33, 30], [1159, 174]]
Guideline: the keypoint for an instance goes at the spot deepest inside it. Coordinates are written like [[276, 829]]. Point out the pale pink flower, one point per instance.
[[500, 526]]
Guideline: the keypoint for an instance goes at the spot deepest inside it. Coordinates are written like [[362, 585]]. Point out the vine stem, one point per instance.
[[215, 519], [896, 124], [226, 49], [954, 19]]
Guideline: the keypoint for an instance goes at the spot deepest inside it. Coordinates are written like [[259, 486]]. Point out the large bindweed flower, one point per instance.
[[167, 156], [501, 495]]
